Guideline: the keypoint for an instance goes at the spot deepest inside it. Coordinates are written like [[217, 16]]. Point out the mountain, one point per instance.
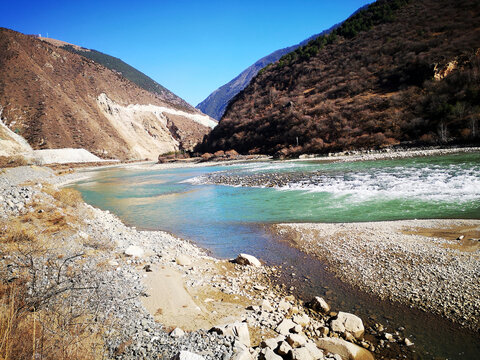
[[398, 72], [125, 70], [215, 104], [54, 98]]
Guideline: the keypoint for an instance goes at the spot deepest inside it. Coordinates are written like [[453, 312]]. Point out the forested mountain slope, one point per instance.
[[397, 72]]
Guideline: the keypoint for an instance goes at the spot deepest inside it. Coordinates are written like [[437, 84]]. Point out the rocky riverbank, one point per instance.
[[432, 265], [147, 294]]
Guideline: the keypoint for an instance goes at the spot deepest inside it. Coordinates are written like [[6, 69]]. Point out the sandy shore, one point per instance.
[[419, 262]]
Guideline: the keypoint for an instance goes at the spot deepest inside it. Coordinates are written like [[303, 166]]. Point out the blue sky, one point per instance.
[[190, 47]]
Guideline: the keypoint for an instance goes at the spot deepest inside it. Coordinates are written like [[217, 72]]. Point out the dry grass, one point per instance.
[[65, 196], [13, 161], [43, 334]]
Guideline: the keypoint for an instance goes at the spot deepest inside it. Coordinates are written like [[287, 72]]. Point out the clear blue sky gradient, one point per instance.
[[190, 47]]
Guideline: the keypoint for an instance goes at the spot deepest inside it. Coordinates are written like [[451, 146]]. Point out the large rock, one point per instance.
[[319, 304], [285, 326], [237, 330], [284, 348], [345, 349], [301, 354], [134, 251], [183, 260], [187, 355], [348, 322], [284, 305], [296, 340], [177, 332], [314, 350], [270, 355], [272, 343], [245, 259], [302, 320]]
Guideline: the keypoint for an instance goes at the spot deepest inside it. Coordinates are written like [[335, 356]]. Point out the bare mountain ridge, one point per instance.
[[399, 72], [57, 99], [127, 71]]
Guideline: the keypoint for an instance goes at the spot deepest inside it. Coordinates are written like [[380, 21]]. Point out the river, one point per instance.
[[227, 220]]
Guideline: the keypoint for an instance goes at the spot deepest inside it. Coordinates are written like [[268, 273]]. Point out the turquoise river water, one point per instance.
[[227, 220]]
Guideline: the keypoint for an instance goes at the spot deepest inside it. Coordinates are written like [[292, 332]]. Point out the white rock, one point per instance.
[[270, 355], [245, 259], [297, 329], [135, 251], [266, 306], [407, 342], [301, 354], [237, 330], [348, 322], [345, 349], [284, 348], [285, 326], [296, 340], [319, 304], [187, 355], [272, 343], [302, 320], [177, 332], [284, 305], [314, 350], [183, 260], [113, 263]]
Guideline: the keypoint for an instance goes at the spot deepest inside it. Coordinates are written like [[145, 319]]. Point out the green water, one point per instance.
[[227, 220]]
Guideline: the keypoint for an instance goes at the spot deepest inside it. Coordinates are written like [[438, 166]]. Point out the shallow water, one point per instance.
[[227, 220]]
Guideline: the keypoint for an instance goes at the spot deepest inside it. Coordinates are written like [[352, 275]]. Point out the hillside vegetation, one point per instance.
[[398, 72], [216, 103]]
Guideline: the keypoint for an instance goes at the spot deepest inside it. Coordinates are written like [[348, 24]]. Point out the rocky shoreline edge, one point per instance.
[[432, 265], [228, 309]]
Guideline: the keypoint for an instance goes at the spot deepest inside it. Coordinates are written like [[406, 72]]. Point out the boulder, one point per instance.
[[177, 332], [296, 340], [302, 320], [301, 354], [245, 259], [348, 322], [314, 350], [265, 305], [345, 349], [187, 355], [134, 251], [285, 326], [237, 330], [319, 304], [272, 343], [284, 305], [270, 355], [183, 260], [284, 348]]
